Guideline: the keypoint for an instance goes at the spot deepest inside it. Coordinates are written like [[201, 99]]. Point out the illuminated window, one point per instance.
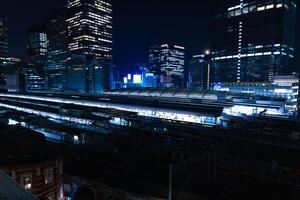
[[48, 175], [279, 5], [270, 6], [261, 8], [137, 79], [26, 181]]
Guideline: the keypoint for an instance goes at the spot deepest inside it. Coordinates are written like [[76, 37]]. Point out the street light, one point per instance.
[[207, 52]]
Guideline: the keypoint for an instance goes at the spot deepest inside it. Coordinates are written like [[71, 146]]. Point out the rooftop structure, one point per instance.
[[283, 87], [233, 103]]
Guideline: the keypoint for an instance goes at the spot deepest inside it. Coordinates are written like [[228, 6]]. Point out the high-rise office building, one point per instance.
[[37, 54], [3, 38], [3, 50], [37, 43], [253, 40], [90, 42], [200, 71], [168, 62], [55, 68], [87, 75]]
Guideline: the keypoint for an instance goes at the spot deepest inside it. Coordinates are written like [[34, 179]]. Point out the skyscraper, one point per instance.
[[168, 62], [253, 40], [90, 42], [3, 49], [37, 43], [3, 40], [200, 71], [55, 68], [37, 54]]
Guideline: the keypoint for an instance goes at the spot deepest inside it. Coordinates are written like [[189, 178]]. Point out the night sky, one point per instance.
[[138, 24]]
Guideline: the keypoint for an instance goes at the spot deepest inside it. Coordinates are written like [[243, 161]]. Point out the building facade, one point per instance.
[[3, 38], [200, 71], [3, 49], [90, 42], [141, 77], [253, 41], [26, 158], [168, 63], [55, 68], [37, 44], [37, 54], [15, 81], [87, 75], [10, 188], [283, 87]]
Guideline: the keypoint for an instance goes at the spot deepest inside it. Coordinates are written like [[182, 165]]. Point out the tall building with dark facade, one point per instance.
[[200, 71], [55, 68], [37, 43], [3, 38], [3, 50], [253, 40], [168, 62], [37, 54], [90, 43]]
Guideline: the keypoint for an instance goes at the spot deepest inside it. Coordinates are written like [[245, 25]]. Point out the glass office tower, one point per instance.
[[200, 71], [168, 62], [55, 69], [90, 42], [37, 43], [37, 54], [253, 40]]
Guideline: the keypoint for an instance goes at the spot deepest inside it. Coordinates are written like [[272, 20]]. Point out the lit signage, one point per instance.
[[149, 74], [137, 79], [125, 80]]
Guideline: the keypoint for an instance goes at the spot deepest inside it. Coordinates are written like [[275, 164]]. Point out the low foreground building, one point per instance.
[[25, 158]]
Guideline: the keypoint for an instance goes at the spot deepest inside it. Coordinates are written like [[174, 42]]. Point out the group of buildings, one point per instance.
[[252, 41], [252, 51], [71, 51], [250, 70]]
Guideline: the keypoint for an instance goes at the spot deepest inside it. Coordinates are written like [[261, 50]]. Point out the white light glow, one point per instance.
[[164, 114], [137, 79]]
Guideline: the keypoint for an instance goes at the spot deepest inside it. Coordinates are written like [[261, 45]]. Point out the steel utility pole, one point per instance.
[[170, 181]]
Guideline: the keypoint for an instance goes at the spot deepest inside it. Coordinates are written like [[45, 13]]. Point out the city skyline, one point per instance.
[[149, 99], [253, 41], [130, 45], [132, 35]]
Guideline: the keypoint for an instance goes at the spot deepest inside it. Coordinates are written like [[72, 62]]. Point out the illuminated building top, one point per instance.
[[253, 40], [90, 27]]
